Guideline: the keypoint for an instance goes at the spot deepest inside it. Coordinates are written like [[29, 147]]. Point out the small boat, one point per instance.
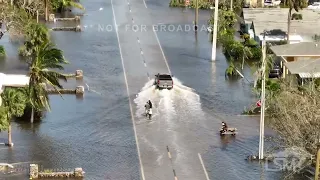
[[230, 131]]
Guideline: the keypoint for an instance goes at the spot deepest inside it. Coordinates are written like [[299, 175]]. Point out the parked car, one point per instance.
[[314, 6], [272, 3], [275, 72]]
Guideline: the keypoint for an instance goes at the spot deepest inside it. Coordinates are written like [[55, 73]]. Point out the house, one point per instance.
[[275, 22], [304, 69], [293, 55]]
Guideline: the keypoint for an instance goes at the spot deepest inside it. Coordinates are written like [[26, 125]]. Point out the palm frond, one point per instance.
[[76, 5]]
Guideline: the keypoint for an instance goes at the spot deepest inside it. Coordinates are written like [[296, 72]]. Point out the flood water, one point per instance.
[[96, 133]]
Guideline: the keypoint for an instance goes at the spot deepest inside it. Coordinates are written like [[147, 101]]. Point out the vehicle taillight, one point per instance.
[[158, 81], [172, 83]]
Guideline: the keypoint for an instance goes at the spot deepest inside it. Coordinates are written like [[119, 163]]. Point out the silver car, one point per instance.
[[163, 81]]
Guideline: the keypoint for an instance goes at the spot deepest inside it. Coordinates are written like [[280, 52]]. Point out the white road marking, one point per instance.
[[204, 168], [126, 82], [145, 3], [165, 59]]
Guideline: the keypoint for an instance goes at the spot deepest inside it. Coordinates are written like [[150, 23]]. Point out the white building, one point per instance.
[[12, 80]]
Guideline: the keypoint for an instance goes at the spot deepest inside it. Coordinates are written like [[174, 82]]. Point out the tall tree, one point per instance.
[[46, 57], [35, 35], [13, 105], [292, 5]]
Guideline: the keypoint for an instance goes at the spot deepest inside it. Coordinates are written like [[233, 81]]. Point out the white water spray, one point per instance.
[[180, 99]]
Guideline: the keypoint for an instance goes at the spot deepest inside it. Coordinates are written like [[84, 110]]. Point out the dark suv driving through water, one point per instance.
[[163, 81]]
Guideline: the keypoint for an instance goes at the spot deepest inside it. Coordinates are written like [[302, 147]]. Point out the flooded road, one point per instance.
[[97, 133]]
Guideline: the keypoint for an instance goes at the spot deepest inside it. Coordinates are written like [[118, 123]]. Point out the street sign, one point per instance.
[[259, 103]]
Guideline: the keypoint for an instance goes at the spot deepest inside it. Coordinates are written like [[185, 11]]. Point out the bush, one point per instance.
[[231, 70], [250, 42], [201, 4], [175, 3], [232, 49], [2, 51], [272, 86], [256, 53], [296, 16]]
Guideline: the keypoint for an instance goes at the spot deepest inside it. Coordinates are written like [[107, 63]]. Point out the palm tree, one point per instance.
[[36, 34], [46, 57], [245, 55], [14, 103], [70, 3], [296, 5], [231, 70]]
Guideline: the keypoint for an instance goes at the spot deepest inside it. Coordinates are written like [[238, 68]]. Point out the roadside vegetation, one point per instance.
[[42, 57], [2, 51], [207, 4], [236, 51], [293, 113]]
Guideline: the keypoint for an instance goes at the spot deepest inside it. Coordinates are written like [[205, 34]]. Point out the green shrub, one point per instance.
[[175, 3], [202, 4], [271, 85], [296, 16], [251, 43], [256, 53], [2, 51], [231, 70]]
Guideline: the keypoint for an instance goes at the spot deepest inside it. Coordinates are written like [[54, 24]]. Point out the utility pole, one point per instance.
[[196, 16], [37, 16], [46, 13], [215, 31], [261, 141], [316, 174]]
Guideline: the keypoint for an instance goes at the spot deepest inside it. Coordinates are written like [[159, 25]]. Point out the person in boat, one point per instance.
[[224, 126]]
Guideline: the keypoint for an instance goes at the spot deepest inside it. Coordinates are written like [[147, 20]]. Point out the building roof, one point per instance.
[[306, 68], [13, 80], [276, 18], [297, 49]]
